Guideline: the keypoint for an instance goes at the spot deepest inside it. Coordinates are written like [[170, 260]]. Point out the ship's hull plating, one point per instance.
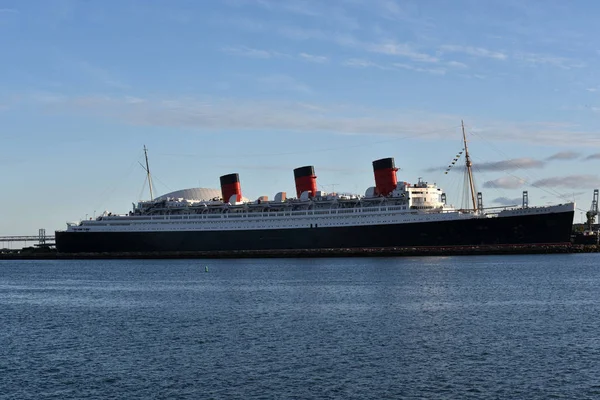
[[551, 228]]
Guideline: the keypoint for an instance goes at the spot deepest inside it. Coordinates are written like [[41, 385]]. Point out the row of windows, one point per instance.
[[268, 214], [218, 224], [224, 221], [279, 214], [295, 226]]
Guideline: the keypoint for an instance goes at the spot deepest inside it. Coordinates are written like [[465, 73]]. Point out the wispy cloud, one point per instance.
[[283, 167], [544, 133], [564, 155], [390, 48], [456, 64], [313, 58], [435, 71], [225, 114], [595, 156], [505, 201], [545, 59], [571, 182], [244, 51], [402, 50], [507, 182], [361, 63], [473, 51], [9, 11], [510, 165], [250, 114], [248, 52]]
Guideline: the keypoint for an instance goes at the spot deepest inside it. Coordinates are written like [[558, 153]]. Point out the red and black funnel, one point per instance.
[[230, 185], [306, 180], [385, 176]]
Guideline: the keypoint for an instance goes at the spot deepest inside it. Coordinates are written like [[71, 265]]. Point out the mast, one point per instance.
[[469, 170], [148, 172]]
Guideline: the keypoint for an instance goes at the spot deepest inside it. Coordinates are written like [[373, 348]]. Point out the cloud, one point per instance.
[[400, 49], [595, 156], [361, 63], [215, 113], [534, 59], [564, 155], [507, 182], [592, 90], [284, 167], [505, 201], [313, 58], [435, 71], [224, 114], [247, 52], [244, 51], [456, 64], [569, 182], [346, 40], [9, 11], [545, 133], [473, 51], [509, 165]]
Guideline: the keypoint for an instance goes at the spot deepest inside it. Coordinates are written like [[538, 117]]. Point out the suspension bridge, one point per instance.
[[41, 238]]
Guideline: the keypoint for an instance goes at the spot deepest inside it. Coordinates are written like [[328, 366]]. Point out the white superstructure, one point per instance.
[[422, 202]]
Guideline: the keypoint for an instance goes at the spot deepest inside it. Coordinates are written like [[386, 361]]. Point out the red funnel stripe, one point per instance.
[[230, 185], [385, 176], [306, 180]]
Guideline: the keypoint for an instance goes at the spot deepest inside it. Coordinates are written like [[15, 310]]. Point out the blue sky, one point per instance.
[[260, 87]]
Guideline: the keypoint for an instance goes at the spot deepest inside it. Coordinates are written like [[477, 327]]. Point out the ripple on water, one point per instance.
[[452, 327]]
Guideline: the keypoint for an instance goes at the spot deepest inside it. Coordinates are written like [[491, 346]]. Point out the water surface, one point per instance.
[[456, 327]]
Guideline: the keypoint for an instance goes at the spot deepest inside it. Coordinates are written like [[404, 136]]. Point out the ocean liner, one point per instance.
[[391, 214]]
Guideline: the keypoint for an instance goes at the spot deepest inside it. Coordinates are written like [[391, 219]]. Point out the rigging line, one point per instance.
[[498, 190], [316, 150], [143, 187], [556, 193], [108, 191], [162, 183], [528, 182]]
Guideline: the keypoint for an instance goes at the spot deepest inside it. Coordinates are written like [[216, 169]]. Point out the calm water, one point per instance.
[[459, 327]]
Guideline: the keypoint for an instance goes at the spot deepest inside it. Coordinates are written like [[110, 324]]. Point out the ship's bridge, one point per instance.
[[422, 195]]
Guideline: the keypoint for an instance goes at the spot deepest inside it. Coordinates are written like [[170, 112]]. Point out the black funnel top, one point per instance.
[[383, 163], [301, 172], [229, 179]]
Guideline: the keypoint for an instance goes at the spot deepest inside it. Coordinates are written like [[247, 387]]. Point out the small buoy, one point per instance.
[[206, 269]]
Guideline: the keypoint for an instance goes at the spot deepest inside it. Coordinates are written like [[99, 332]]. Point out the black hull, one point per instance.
[[552, 228]]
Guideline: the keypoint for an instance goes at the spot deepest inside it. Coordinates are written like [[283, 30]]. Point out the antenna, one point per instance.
[[469, 164], [147, 168]]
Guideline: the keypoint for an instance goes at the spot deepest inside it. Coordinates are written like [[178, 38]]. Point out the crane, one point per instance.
[[593, 212]]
